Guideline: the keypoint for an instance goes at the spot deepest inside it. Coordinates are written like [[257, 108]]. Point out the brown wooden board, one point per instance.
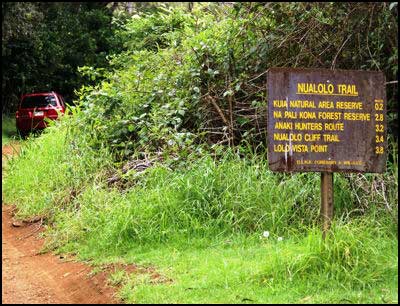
[[326, 120]]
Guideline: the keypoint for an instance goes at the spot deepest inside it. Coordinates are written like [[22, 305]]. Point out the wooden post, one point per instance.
[[326, 201]]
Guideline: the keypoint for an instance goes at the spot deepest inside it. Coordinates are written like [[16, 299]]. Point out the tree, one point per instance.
[[45, 43]]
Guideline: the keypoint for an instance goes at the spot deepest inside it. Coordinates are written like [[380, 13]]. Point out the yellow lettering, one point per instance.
[[299, 148], [312, 88], [379, 128], [303, 162], [331, 138], [307, 115], [280, 103], [348, 105], [326, 104], [379, 150], [288, 137], [290, 115], [334, 126], [279, 125], [330, 115], [357, 116], [352, 162], [324, 162], [280, 136], [319, 148], [311, 126], [346, 89], [302, 104], [300, 87], [378, 117], [378, 106], [312, 137]]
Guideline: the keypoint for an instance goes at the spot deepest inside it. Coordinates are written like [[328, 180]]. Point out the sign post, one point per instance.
[[326, 201], [326, 121]]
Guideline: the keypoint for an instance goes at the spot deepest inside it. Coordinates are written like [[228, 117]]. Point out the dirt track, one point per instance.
[[28, 277], [32, 278]]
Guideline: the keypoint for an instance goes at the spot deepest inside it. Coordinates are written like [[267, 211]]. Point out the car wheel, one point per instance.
[[23, 134]]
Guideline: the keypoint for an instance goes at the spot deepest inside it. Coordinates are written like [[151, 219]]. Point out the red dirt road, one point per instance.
[[32, 278], [7, 151], [28, 277]]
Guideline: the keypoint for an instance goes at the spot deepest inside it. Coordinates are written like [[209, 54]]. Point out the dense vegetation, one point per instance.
[[200, 76], [43, 44], [162, 161]]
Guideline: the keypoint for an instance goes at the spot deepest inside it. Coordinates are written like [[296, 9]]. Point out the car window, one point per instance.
[[38, 101], [62, 101]]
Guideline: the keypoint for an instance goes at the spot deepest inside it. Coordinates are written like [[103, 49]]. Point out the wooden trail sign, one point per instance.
[[326, 121]]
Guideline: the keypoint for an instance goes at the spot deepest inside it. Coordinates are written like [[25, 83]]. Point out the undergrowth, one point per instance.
[[8, 129], [213, 220], [201, 226]]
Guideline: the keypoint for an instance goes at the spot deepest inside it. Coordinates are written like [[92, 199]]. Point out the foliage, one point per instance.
[[177, 95], [59, 170], [44, 43], [251, 270], [204, 198], [199, 77], [201, 227], [8, 130]]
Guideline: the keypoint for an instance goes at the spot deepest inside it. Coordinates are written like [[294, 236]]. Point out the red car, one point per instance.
[[35, 107]]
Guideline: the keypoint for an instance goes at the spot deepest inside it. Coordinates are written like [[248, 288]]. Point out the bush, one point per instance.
[[199, 78]]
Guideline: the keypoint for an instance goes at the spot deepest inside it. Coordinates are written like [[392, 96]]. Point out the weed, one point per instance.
[[117, 278], [8, 129]]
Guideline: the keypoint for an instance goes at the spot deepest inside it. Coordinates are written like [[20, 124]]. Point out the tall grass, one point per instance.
[[8, 129], [49, 172], [207, 199], [356, 265], [56, 173], [201, 225]]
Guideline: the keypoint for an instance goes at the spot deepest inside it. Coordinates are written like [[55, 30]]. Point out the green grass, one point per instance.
[[356, 265], [267, 271], [199, 227], [8, 129]]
